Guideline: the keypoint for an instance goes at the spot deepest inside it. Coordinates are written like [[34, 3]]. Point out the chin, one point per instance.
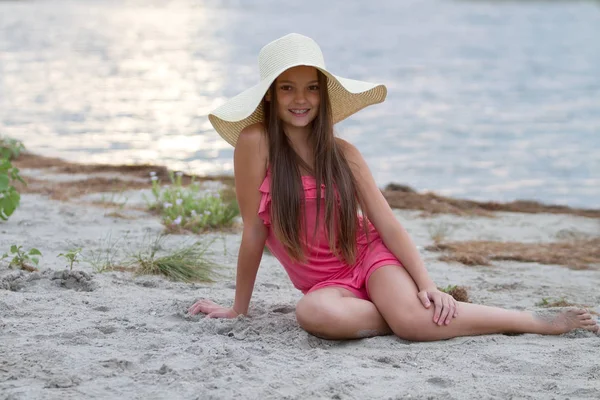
[[302, 123], [299, 124]]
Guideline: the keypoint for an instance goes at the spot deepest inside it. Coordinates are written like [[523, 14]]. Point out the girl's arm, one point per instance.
[[250, 167], [393, 234]]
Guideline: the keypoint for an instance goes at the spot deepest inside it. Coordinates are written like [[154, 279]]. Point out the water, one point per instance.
[[487, 100]]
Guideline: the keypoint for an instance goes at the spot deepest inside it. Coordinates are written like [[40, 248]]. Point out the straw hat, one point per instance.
[[347, 96]]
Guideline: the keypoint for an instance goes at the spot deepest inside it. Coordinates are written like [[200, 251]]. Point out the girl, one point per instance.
[[300, 190]]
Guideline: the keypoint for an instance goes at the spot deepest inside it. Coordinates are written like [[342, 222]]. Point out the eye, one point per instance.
[[313, 87], [285, 88]]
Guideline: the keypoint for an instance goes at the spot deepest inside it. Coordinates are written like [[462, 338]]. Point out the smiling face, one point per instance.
[[298, 98]]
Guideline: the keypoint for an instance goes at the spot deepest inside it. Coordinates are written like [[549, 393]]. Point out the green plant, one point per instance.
[[188, 263], [72, 256], [544, 302], [458, 292], [551, 302], [10, 148], [22, 259], [448, 288], [9, 197], [105, 258], [190, 208]]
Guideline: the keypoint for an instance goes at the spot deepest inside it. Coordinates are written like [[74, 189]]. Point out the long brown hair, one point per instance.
[[330, 166]]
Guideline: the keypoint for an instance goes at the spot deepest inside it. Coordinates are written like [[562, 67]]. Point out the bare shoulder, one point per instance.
[[252, 146], [254, 131], [253, 137]]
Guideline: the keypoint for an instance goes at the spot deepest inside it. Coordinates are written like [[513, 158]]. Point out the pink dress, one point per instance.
[[321, 267]]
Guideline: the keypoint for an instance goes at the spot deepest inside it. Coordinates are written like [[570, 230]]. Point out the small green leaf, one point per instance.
[[14, 248], [35, 252], [5, 165], [9, 202], [4, 182], [35, 260]]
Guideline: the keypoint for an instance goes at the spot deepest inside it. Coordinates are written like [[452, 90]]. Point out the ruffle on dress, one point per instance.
[[264, 209]]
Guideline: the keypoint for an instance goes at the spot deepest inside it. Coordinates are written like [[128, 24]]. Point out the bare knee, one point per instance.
[[413, 325], [316, 317]]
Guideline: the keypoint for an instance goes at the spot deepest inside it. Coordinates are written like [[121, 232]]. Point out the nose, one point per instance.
[[300, 97]]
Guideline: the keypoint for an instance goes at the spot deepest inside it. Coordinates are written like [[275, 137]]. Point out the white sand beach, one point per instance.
[[83, 334]]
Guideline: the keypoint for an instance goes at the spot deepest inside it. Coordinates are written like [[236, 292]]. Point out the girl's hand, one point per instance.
[[212, 310], [446, 307]]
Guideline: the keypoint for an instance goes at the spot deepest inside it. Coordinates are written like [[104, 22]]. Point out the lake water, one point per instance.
[[487, 99]]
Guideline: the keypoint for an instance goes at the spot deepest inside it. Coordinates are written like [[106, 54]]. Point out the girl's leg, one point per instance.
[[336, 313], [395, 294]]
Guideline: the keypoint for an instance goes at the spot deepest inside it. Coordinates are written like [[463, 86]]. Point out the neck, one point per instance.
[[297, 135]]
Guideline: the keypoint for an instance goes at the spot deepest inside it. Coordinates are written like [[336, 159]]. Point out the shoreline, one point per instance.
[[398, 196]]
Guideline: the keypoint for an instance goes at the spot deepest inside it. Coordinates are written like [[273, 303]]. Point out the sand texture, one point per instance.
[[83, 334]]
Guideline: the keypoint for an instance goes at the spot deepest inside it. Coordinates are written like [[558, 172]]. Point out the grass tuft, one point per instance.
[[105, 258], [439, 232], [458, 292], [187, 263]]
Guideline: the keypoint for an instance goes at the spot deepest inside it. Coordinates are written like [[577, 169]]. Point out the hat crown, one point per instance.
[[288, 51]]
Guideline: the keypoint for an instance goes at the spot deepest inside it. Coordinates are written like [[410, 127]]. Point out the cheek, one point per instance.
[[283, 99], [315, 99]]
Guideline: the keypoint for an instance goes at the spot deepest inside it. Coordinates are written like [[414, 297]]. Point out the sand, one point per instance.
[[83, 334]]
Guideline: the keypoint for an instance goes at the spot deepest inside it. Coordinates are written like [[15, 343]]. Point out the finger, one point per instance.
[[455, 309], [193, 309], [209, 309], [444, 313], [438, 309], [203, 306], [196, 309], [195, 305], [424, 299], [451, 310], [217, 314]]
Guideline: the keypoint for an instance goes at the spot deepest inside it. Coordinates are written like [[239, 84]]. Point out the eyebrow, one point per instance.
[[293, 83]]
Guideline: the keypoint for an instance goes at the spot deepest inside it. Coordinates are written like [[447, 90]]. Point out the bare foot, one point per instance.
[[568, 320]]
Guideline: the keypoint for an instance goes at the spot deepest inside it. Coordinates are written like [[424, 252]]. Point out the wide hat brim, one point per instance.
[[347, 96]]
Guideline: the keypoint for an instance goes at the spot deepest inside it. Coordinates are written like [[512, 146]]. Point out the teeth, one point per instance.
[[299, 111]]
